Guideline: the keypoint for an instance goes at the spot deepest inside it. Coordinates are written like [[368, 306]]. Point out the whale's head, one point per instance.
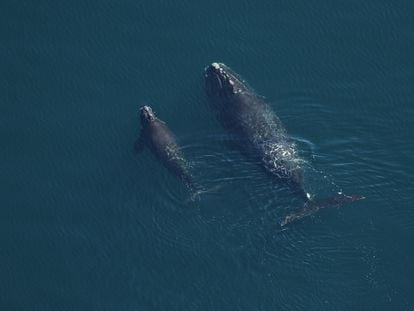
[[222, 82], [147, 115]]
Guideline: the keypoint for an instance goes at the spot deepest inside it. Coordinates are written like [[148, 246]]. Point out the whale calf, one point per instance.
[[156, 135], [260, 134]]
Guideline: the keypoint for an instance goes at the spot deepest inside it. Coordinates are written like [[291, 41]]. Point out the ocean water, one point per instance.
[[88, 225]]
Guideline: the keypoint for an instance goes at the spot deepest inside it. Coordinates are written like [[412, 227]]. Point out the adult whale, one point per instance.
[[260, 134], [162, 142]]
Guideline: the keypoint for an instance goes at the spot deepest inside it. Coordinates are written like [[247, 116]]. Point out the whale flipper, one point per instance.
[[139, 144], [311, 207]]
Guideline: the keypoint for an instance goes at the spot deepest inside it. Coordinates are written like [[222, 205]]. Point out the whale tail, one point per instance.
[[311, 207]]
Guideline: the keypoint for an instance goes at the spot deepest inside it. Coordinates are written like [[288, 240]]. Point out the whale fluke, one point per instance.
[[311, 207]]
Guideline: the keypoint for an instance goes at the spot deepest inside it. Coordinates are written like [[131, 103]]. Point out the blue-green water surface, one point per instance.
[[88, 225]]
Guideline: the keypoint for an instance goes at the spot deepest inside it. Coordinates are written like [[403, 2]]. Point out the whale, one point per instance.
[[260, 135], [161, 141]]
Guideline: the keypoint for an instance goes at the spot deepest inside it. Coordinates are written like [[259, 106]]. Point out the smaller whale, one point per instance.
[[156, 135]]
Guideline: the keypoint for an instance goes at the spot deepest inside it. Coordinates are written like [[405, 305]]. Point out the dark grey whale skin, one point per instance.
[[260, 134], [156, 135]]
